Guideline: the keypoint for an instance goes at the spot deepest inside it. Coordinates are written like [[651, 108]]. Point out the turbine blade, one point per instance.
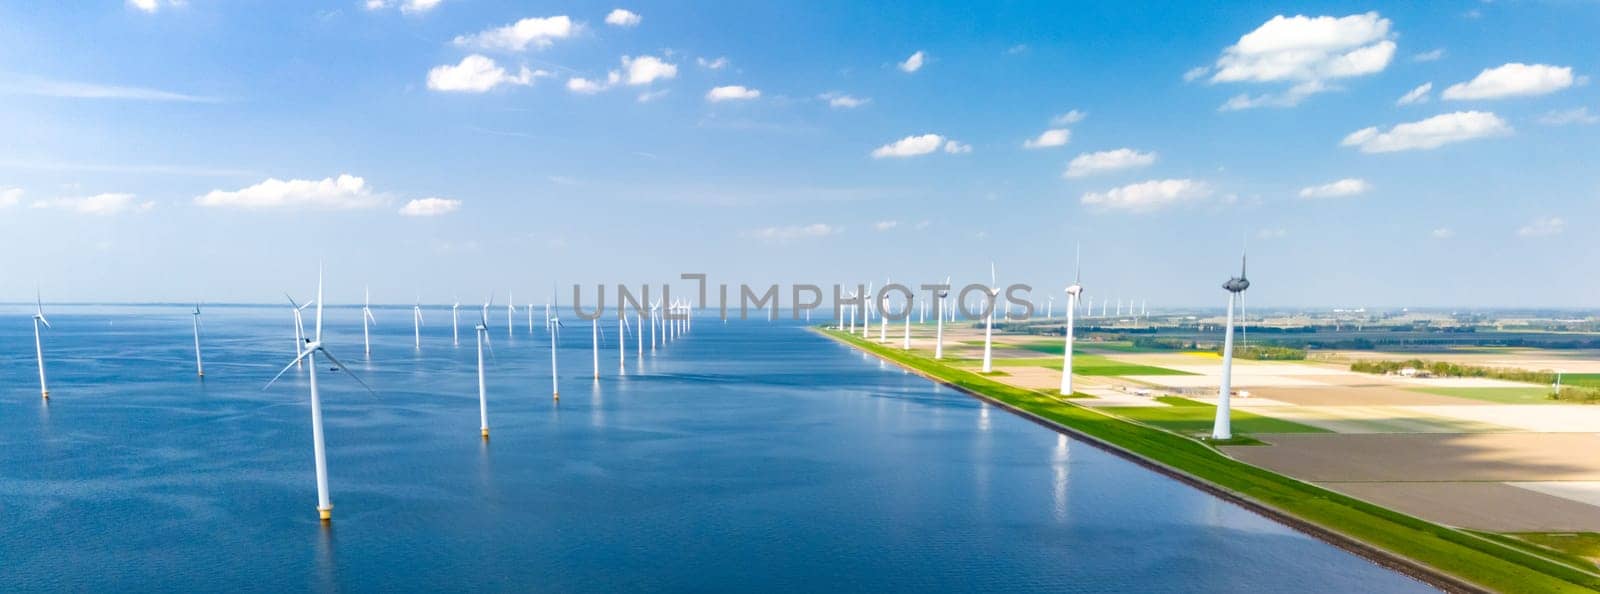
[[285, 370], [346, 370], [292, 303], [992, 280], [484, 331], [1077, 265], [46, 322]]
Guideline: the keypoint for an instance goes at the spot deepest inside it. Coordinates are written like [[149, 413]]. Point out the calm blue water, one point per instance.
[[743, 457]]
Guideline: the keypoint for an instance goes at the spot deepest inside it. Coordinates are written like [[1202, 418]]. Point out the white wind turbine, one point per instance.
[[38, 345], [905, 339], [654, 306], [883, 308], [622, 340], [638, 337], [944, 295], [1050, 307], [866, 312], [1074, 292], [555, 334], [483, 340], [199, 367], [366, 319], [416, 323], [594, 344], [988, 322], [455, 321], [299, 324], [1223, 428], [852, 297], [311, 348], [529, 309], [511, 311]]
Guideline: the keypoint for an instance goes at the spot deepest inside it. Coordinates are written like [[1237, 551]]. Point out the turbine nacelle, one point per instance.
[[1236, 285], [1075, 290]]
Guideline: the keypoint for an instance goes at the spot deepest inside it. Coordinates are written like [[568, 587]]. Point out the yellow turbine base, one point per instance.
[[46, 394], [485, 433], [326, 513], [202, 374], [557, 396]]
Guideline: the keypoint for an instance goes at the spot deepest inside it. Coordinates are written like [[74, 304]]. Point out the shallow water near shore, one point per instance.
[[744, 456]]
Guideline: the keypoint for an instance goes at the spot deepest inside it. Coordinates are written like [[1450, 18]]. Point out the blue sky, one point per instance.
[[140, 145]]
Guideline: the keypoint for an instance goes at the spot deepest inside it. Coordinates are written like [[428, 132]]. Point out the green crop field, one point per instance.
[[1087, 365], [1189, 417], [1589, 380], [1528, 395]]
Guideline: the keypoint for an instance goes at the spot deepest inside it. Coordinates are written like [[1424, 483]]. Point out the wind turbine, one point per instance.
[[199, 368], [622, 341], [366, 318], [866, 313], [594, 344], [1223, 428], [299, 325], [944, 294], [483, 339], [883, 318], [905, 339], [1050, 307], [511, 310], [312, 347], [555, 333], [638, 337], [529, 308], [38, 346], [988, 322], [1074, 292], [852, 313], [455, 321], [416, 323], [656, 305]]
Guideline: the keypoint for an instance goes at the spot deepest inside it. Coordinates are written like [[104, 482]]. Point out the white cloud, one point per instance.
[[1192, 74], [1543, 227], [644, 70], [838, 100], [885, 225], [151, 6], [537, 32], [910, 146], [1442, 233], [792, 232], [345, 192], [1148, 196], [1512, 80], [406, 6], [623, 18], [731, 93], [584, 86], [1049, 138], [1069, 118], [477, 74], [1429, 56], [1086, 164], [1308, 51], [649, 96], [714, 64], [1431, 133], [1417, 95], [79, 90], [98, 204], [957, 148], [1345, 187], [9, 197], [1579, 115], [430, 207], [913, 63]]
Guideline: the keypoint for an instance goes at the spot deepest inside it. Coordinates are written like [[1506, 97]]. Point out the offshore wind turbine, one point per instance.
[[1223, 427], [417, 323], [555, 333], [299, 325], [483, 339], [529, 308], [1074, 291], [594, 344], [311, 348], [38, 345], [988, 322], [455, 321], [622, 341], [199, 367], [511, 310], [366, 318], [654, 306]]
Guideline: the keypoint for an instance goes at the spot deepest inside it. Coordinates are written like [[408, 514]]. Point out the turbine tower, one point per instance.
[[483, 339], [1223, 429], [555, 333], [299, 324], [938, 345], [455, 322], [1073, 293], [416, 323], [38, 346], [366, 319], [199, 367], [988, 322], [511, 312], [309, 354]]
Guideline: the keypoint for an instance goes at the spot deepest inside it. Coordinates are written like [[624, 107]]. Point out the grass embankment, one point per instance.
[[1190, 417], [1448, 551]]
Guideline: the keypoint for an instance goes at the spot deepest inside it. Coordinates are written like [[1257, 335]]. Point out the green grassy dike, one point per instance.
[[1472, 561]]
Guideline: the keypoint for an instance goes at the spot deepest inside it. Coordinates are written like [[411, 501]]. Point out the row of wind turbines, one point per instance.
[[667, 324], [1235, 286]]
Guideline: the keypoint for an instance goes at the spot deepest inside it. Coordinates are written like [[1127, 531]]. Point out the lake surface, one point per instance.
[[747, 456]]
